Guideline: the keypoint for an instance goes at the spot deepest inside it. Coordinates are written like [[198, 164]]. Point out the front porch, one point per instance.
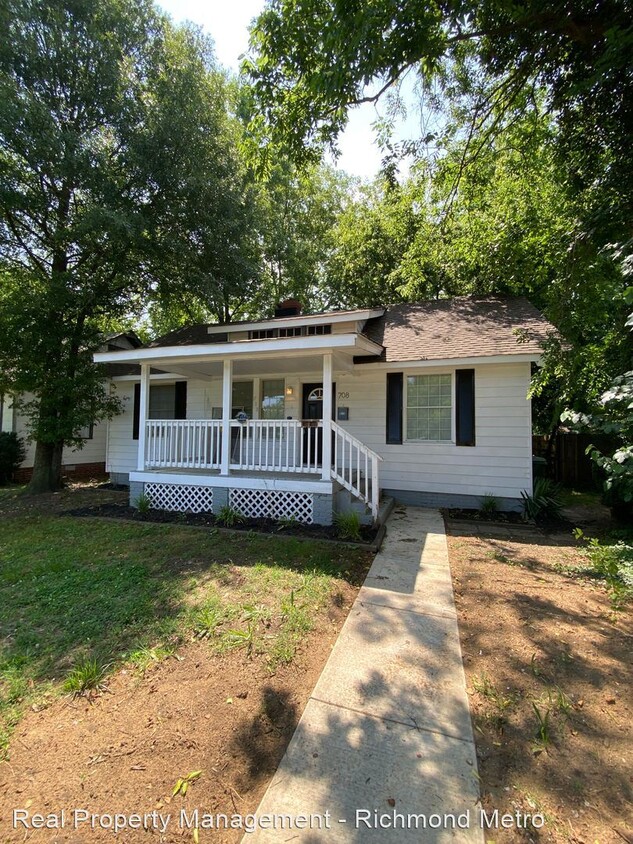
[[282, 456], [276, 468]]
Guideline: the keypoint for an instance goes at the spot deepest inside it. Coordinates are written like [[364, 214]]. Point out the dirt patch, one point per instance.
[[549, 667], [124, 750]]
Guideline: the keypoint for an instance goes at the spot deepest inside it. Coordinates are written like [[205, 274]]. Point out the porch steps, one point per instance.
[[346, 502]]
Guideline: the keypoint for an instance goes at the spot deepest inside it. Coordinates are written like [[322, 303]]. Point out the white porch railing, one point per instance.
[[265, 445], [276, 445], [183, 444], [355, 467]]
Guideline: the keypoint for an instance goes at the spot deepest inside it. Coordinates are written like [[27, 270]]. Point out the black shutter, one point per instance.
[[180, 407], [137, 411], [394, 407], [465, 406]]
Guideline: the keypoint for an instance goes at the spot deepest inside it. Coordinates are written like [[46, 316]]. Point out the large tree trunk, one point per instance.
[[47, 468]]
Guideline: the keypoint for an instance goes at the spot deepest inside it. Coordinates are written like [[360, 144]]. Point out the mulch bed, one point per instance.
[[123, 511]]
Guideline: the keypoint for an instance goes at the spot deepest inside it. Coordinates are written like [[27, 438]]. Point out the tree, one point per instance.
[[207, 263], [298, 209], [104, 108], [506, 227], [312, 60], [370, 239], [613, 415]]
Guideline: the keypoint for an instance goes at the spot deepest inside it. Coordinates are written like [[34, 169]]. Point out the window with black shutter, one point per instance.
[[166, 401]]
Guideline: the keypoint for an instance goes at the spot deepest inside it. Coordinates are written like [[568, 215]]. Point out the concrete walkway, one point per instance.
[[387, 728]]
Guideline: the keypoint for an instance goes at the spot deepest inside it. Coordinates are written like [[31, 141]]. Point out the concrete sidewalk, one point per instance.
[[387, 729]]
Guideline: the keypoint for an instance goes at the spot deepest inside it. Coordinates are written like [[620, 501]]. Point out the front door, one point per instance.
[[313, 410]]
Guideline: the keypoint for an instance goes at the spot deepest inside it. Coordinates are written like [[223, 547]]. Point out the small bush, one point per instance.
[[348, 525], [12, 453], [229, 517], [86, 676], [545, 503], [489, 504], [143, 504]]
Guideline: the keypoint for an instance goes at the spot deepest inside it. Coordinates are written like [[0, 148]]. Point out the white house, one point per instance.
[[85, 462], [301, 415]]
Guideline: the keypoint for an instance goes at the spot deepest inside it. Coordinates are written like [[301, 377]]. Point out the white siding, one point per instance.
[[500, 462], [94, 450]]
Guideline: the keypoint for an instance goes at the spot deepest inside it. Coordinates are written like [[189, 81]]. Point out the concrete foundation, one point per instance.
[[415, 498]]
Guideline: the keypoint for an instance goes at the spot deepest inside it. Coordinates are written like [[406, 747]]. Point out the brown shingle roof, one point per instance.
[[463, 327]]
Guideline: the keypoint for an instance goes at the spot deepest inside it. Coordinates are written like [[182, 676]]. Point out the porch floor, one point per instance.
[[240, 473]]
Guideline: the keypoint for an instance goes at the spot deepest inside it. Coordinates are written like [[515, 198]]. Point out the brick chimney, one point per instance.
[[289, 307]]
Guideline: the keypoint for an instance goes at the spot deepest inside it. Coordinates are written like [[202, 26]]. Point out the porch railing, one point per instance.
[[183, 444], [276, 445], [355, 467], [265, 445]]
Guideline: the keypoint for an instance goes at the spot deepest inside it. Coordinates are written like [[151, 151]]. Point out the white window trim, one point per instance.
[[405, 411]]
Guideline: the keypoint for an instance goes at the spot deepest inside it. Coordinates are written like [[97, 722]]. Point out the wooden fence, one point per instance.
[[569, 464]]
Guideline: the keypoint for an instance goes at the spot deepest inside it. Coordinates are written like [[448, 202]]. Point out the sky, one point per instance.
[[227, 23]]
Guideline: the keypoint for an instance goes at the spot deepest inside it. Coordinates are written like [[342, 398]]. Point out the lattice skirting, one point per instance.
[[272, 504], [180, 498]]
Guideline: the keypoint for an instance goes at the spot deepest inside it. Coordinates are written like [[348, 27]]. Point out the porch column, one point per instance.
[[227, 398], [143, 413], [326, 452]]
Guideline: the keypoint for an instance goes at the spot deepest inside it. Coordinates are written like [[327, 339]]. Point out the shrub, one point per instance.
[[612, 562], [143, 504], [86, 676], [545, 503], [229, 517], [348, 525], [11, 455], [489, 504]]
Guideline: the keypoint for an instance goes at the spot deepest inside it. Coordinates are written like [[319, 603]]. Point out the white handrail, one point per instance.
[[265, 445], [276, 445], [355, 467], [183, 443]]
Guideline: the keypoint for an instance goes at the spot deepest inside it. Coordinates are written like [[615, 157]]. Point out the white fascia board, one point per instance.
[[301, 319], [452, 362], [243, 349]]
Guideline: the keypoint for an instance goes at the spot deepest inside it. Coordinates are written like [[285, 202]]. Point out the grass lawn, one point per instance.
[[82, 597]]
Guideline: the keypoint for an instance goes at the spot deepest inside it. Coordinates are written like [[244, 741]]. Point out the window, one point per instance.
[[242, 399], [263, 334], [273, 399], [429, 407], [166, 401], [162, 401], [292, 331], [86, 433]]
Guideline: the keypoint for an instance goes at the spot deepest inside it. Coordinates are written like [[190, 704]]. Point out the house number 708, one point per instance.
[[343, 395]]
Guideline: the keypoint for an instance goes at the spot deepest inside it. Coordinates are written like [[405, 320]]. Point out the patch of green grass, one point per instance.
[[500, 700], [543, 735], [88, 675], [612, 561], [580, 497], [348, 525], [72, 589]]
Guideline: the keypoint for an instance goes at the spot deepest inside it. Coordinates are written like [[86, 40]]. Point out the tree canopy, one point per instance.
[[106, 112]]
